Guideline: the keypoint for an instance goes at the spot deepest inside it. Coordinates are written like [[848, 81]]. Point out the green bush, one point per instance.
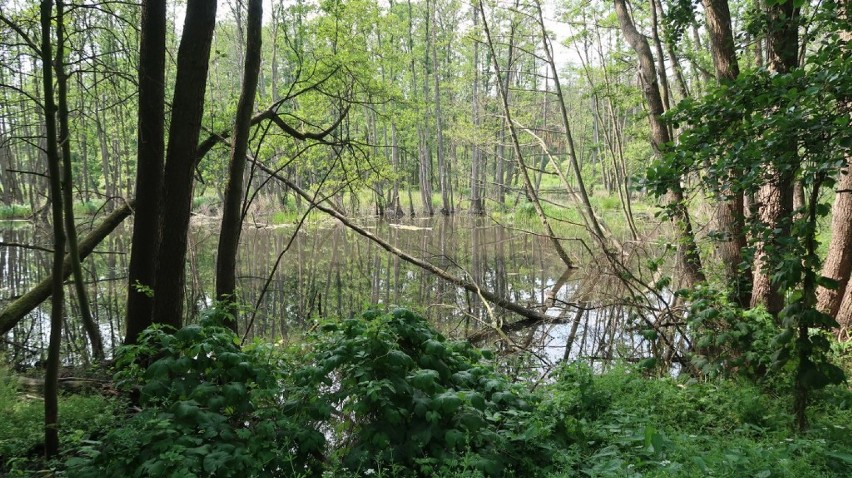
[[209, 409], [381, 392], [14, 211], [407, 397]]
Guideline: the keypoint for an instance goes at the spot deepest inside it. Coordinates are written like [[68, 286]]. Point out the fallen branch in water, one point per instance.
[[17, 310], [491, 297]]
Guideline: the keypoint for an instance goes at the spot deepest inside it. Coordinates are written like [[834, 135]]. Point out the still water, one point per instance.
[[288, 277]]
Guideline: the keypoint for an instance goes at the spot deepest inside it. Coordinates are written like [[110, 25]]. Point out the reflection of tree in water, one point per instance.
[[330, 271]]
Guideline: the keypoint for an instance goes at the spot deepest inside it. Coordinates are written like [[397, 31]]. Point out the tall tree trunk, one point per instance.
[[446, 207], [51, 375], [776, 195], [730, 212], [688, 257], [838, 262], [477, 206], [187, 112], [229, 238], [89, 324], [149, 169]]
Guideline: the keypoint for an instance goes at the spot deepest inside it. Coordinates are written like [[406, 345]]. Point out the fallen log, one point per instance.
[[502, 302], [17, 310]]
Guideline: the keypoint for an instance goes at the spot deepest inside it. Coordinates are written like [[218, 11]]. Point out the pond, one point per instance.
[[288, 277]]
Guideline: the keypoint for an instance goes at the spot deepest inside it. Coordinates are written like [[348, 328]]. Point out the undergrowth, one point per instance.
[[386, 395]]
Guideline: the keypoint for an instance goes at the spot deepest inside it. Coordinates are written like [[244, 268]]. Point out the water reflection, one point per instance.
[[330, 271]]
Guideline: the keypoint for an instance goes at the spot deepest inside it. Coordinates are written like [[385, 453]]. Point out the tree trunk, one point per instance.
[[477, 206], [187, 112], [89, 324], [229, 238], [776, 195], [838, 262], [51, 375], [149, 169], [688, 257], [730, 212]]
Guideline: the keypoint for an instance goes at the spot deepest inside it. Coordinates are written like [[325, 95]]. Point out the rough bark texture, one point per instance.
[[187, 112], [838, 263], [149, 167], [776, 196], [689, 260], [229, 238], [730, 211]]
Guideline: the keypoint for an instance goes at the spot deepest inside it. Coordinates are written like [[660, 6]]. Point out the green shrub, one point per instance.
[[209, 409], [407, 397], [82, 417], [14, 211]]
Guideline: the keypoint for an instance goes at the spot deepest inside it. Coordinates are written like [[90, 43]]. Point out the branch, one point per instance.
[[17, 310], [491, 297]]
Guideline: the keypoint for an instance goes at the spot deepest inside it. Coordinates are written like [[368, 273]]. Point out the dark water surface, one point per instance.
[[330, 271]]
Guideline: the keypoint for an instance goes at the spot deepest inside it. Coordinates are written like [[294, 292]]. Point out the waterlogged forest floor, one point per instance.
[[336, 405]]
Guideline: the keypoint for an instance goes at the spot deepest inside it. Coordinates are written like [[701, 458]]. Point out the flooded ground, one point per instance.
[[287, 278]]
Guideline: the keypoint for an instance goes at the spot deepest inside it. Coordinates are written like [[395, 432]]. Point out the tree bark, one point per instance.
[[730, 212], [776, 195], [838, 262], [229, 238], [149, 169], [51, 375], [688, 258], [187, 112]]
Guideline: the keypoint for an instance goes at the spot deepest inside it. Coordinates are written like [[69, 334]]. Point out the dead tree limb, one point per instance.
[[491, 297], [17, 310]]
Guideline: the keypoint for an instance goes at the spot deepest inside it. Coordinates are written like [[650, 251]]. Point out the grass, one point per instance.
[[15, 211], [82, 417]]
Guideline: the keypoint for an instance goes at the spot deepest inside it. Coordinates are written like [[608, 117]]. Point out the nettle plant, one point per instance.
[[381, 392], [208, 408], [407, 398]]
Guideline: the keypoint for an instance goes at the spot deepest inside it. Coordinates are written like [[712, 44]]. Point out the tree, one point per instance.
[[184, 131], [149, 169], [688, 258], [730, 212], [229, 236], [57, 305], [776, 196]]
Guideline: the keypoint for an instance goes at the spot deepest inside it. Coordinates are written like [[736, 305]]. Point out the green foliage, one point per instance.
[[380, 391], [620, 424], [209, 408], [84, 417], [776, 129], [406, 396], [726, 339], [14, 211]]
